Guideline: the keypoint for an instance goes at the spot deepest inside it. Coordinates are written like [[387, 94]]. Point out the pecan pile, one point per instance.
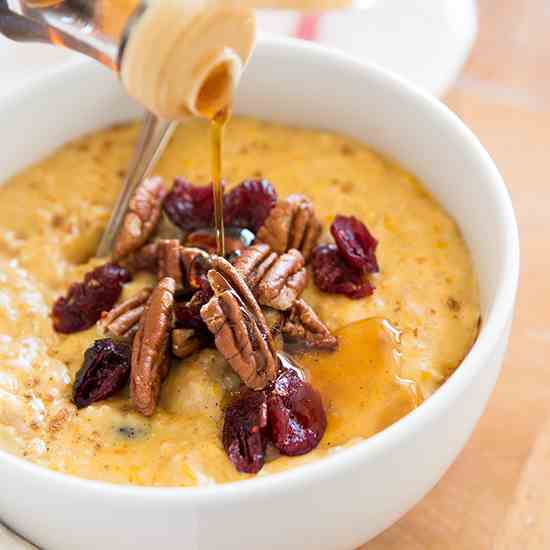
[[249, 306]]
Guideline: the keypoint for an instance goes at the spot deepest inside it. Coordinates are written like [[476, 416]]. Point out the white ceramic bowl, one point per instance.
[[344, 500]]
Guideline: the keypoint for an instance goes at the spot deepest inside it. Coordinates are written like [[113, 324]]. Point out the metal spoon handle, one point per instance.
[[154, 137]]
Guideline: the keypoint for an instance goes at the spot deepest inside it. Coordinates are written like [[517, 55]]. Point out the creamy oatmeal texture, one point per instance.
[[52, 215]]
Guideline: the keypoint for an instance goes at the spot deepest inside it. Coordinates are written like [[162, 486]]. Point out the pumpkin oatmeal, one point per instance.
[[135, 373]]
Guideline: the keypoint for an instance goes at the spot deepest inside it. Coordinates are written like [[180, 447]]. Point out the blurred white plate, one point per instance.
[[426, 42]]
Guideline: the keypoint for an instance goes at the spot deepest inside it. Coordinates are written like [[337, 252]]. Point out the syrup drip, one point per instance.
[[217, 131], [361, 383]]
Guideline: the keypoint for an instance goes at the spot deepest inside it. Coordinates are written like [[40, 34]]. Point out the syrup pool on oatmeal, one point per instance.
[[396, 346]]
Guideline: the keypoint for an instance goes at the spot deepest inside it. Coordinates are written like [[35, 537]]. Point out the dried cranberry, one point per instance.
[[189, 206], [332, 274], [84, 303], [249, 204], [355, 243], [296, 414], [105, 372], [244, 432], [187, 311]]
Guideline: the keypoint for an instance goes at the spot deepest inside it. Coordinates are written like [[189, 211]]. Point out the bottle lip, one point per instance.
[[221, 76], [130, 24], [185, 59]]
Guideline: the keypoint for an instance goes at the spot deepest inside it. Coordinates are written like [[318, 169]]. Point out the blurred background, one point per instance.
[[426, 42], [503, 95], [490, 62]]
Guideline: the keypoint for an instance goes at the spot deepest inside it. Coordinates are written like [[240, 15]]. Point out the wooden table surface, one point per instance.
[[504, 96]]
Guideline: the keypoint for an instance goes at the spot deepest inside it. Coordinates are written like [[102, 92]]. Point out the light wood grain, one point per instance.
[[526, 524]]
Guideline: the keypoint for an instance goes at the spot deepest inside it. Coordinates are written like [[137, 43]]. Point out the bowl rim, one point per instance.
[[345, 458]]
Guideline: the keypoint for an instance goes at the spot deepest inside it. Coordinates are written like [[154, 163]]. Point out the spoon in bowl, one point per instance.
[[155, 136]]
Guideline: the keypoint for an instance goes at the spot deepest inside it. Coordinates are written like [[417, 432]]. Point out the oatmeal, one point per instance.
[[374, 350]]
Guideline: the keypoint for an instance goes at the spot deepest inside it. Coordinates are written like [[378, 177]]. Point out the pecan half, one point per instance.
[[303, 324], [277, 281], [143, 259], [306, 228], [254, 262], [276, 228], [239, 327], [169, 260], [142, 218], [149, 351], [284, 282], [184, 342], [122, 321], [292, 223]]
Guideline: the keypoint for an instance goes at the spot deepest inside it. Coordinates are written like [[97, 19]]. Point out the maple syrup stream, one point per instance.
[[217, 131]]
